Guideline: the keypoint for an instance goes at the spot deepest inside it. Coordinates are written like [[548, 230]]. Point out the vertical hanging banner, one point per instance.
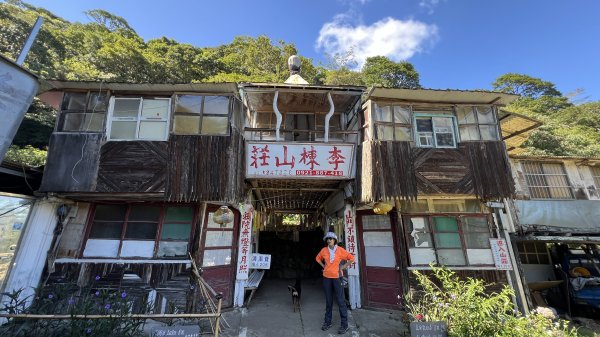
[[500, 253], [351, 243], [244, 244]]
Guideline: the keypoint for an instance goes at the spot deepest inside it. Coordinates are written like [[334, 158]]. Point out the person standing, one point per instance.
[[330, 258]]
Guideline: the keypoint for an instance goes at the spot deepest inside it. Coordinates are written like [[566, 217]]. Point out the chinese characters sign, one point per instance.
[[351, 244], [244, 246], [261, 261], [282, 160], [500, 252]]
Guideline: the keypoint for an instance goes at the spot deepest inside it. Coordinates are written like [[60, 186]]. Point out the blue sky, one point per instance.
[[458, 44]]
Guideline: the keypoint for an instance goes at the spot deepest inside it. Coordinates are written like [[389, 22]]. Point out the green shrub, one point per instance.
[[470, 312]]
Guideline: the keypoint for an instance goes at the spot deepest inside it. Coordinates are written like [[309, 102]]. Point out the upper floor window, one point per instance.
[[547, 181], [435, 131], [477, 123], [202, 115], [393, 122], [533, 252], [83, 111], [138, 118], [596, 175], [136, 230]]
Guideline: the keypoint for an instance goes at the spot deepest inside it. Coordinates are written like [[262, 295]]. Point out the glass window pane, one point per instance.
[[74, 101], [11, 227], [385, 132], [94, 122], [442, 205], [72, 121], [376, 222], [186, 125], [144, 213], [155, 108], [447, 240], [153, 130], [141, 230], [485, 115], [215, 125], [471, 224], [488, 132], [216, 257], [172, 249], [176, 231], [98, 101], [465, 115], [444, 139], [216, 105], [451, 257], [378, 239], [445, 224], [123, 130], [126, 107], [468, 132], [383, 113], [415, 206], [218, 238], [212, 224], [402, 133], [180, 214], [424, 125], [110, 212], [380, 257], [402, 114], [425, 139], [188, 103], [106, 230], [265, 120], [477, 240]]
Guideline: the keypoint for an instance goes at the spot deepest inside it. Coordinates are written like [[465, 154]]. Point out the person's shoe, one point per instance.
[[342, 330], [326, 326]]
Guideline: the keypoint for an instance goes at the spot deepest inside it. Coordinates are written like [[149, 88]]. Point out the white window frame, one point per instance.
[[543, 182], [433, 133], [137, 119]]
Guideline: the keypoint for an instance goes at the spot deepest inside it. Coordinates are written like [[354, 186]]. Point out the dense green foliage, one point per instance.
[[470, 311], [569, 130]]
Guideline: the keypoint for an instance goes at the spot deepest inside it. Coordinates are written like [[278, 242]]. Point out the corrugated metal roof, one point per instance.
[[516, 129], [447, 96], [144, 87]]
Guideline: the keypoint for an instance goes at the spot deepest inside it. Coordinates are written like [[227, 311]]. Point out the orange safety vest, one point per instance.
[[332, 269]]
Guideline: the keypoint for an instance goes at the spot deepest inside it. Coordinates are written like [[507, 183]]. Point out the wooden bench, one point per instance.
[[253, 282]]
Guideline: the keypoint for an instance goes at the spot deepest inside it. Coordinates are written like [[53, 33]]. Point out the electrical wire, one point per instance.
[[13, 209]]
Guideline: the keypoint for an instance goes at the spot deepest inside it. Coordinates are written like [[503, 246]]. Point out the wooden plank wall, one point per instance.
[[206, 168], [387, 171], [132, 166], [72, 163], [395, 170]]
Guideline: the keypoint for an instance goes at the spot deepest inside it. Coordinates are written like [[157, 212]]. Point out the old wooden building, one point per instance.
[[405, 177]]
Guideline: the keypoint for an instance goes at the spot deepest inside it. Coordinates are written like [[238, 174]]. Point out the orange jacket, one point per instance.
[[332, 269]]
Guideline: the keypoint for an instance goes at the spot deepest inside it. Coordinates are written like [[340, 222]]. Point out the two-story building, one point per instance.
[[405, 177]]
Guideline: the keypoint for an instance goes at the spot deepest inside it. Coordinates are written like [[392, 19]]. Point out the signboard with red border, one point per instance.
[[500, 253]]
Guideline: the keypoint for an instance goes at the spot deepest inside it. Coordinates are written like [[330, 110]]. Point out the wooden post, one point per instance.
[[217, 325]]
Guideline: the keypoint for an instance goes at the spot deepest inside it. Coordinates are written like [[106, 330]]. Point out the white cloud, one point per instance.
[[429, 5], [399, 40]]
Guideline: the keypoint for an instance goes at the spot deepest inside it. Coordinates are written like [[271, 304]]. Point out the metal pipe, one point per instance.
[[328, 117], [277, 114], [29, 41]]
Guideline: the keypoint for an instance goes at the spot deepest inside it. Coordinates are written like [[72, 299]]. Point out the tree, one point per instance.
[[112, 22], [381, 71], [525, 86]]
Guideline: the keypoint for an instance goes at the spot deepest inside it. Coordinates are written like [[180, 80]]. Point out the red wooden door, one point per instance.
[[379, 261], [219, 245]]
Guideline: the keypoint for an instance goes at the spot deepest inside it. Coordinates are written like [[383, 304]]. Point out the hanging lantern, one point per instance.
[[223, 216], [382, 208]]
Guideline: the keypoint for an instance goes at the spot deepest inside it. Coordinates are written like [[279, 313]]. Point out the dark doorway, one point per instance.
[[292, 253]]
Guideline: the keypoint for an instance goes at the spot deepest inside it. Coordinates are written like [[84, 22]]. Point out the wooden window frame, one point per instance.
[[201, 114], [391, 123], [525, 255], [64, 111], [477, 124], [234, 241], [138, 119], [157, 239], [459, 220], [547, 187]]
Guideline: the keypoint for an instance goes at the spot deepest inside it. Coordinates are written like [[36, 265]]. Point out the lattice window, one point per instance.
[[477, 123], [533, 253], [83, 112], [547, 181], [138, 118], [202, 115], [393, 122], [596, 174]]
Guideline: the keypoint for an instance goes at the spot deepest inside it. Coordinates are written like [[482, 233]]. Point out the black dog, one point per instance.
[[296, 291]]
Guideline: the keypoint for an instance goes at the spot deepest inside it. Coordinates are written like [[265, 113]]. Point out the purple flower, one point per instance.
[[71, 301], [97, 293], [107, 306], [97, 277], [88, 330], [50, 296], [453, 296], [123, 294]]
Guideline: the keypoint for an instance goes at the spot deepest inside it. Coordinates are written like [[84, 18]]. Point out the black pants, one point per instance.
[[333, 287]]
